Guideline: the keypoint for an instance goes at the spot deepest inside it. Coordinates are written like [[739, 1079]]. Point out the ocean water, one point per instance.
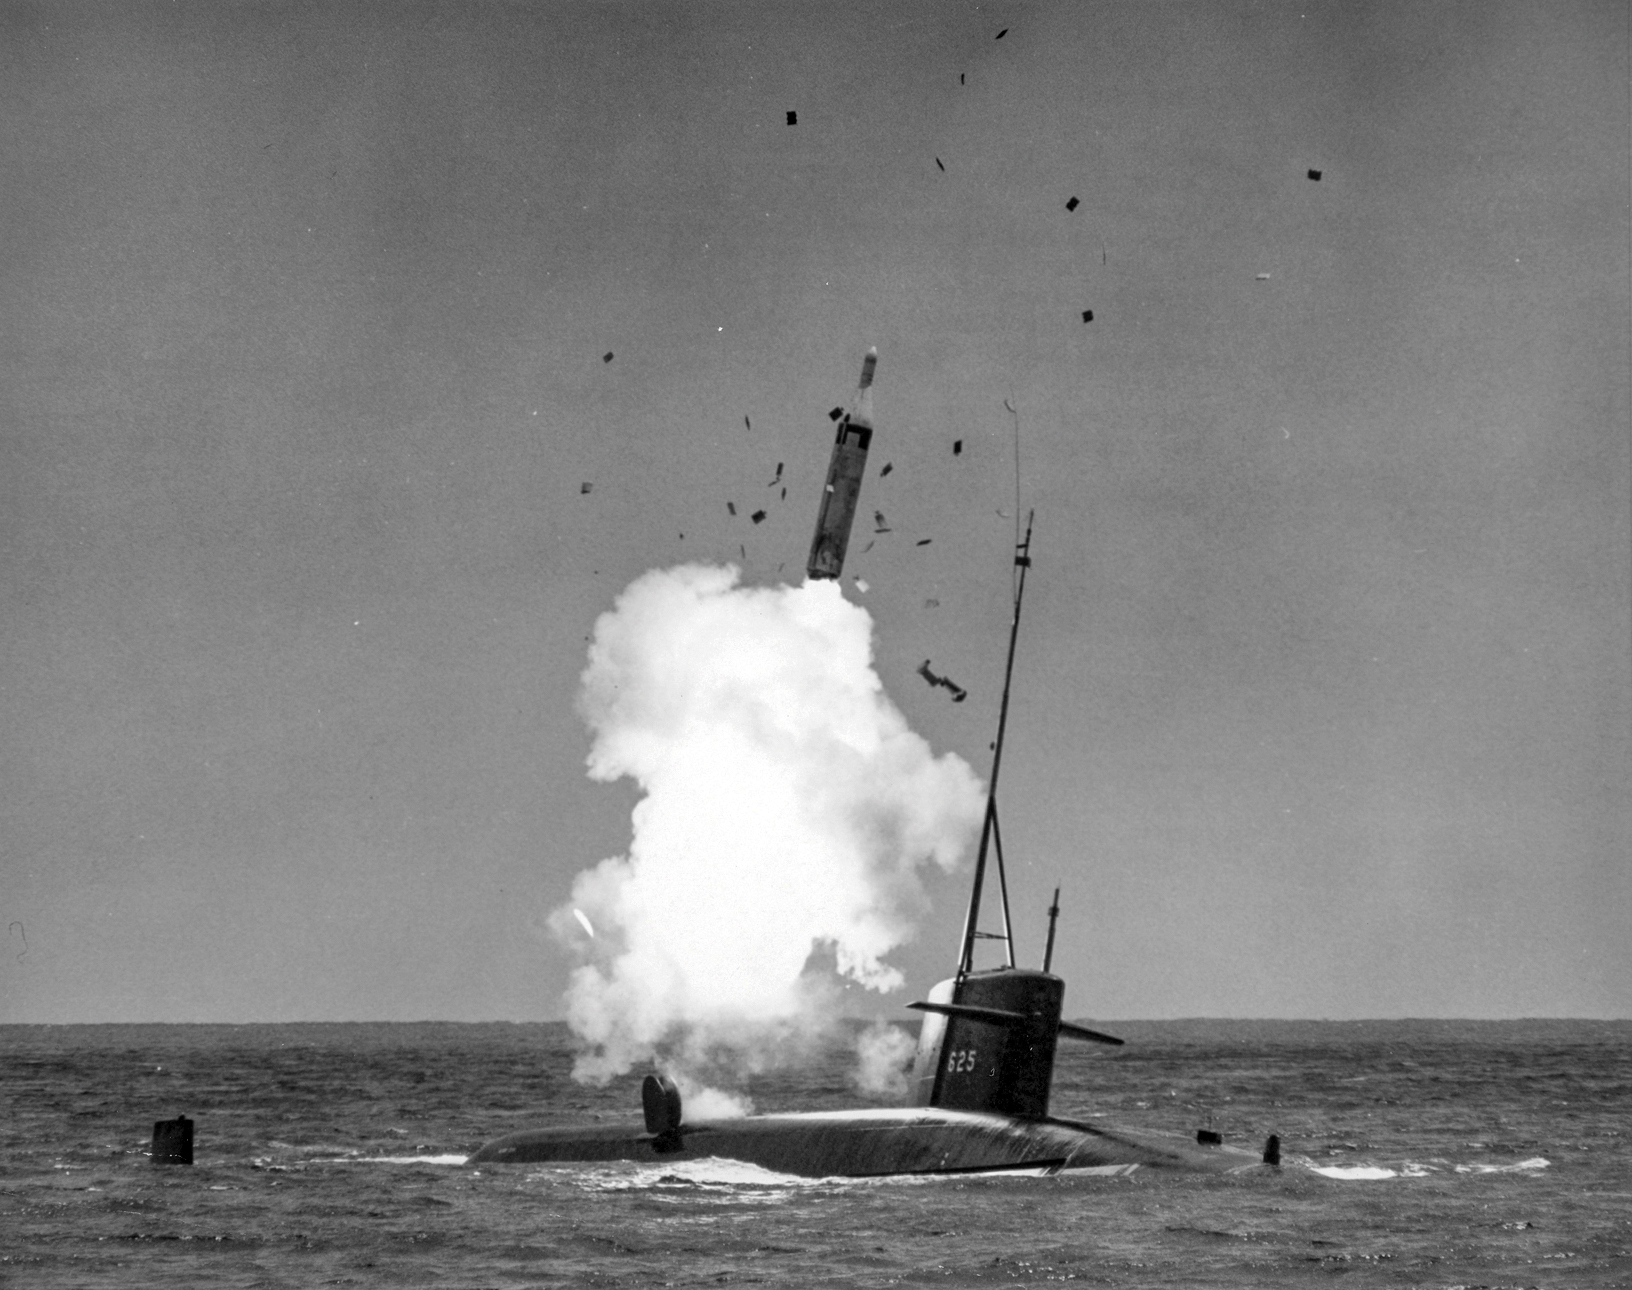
[[1417, 1153]]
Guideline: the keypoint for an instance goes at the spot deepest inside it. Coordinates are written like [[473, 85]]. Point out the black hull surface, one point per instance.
[[871, 1143]]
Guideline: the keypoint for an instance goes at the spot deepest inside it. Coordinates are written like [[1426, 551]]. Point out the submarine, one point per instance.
[[984, 1063]]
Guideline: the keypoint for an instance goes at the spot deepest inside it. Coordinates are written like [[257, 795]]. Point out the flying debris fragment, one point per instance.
[[835, 414], [957, 447], [1072, 204], [960, 82], [1263, 277], [861, 583], [938, 162], [585, 486], [778, 478], [880, 524], [747, 422], [606, 357], [1087, 315], [932, 603], [923, 541], [784, 494], [793, 118], [732, 507], [1002, 34], [867, 548], [583, 920], [959, 694], [757, 516], [888, 467], [1315, 175]]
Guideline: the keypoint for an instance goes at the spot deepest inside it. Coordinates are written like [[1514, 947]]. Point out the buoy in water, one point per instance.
[[173, 1141]]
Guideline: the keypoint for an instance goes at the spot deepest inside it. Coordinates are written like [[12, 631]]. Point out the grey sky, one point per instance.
[[1323, 700]]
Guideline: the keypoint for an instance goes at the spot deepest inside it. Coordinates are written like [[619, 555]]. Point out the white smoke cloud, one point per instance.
[[787, 808], [883, 1052]]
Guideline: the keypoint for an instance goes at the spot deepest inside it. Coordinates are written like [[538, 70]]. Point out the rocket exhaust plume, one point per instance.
[[787, 812]]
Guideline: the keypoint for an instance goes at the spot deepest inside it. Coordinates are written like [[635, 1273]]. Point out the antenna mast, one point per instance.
[[989, 831]]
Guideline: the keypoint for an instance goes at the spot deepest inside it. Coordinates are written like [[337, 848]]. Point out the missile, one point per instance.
[[844, 471]]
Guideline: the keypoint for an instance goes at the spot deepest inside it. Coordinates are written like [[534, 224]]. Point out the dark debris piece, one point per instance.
[[585, 486], [932, 603], [1315, 175], [757, 516], [960, 82], [778, 478], [747, 422], [732, 507], [959, 694], [888, 467], [835, 414], [938, 162], [606, 357], [867, 548], [793, 118], [880, 524], [1001, 34], [1087, 315], [784, 494], [1072, 204], [923, 541], [957, 447]]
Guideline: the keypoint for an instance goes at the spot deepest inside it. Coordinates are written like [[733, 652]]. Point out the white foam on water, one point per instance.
[[390, 1160], [1415, 1169], [1535, 1162], [1354, 1172]]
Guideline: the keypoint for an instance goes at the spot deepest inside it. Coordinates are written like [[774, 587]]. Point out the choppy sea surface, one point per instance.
[[1417, 1153]]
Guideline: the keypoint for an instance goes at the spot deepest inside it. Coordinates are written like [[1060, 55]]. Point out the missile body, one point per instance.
[[844, 471]]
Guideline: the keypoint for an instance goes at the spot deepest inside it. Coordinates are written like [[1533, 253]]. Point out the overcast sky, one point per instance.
[[1323, 697]]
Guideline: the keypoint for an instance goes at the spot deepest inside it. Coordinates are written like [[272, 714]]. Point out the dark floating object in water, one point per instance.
[[585, 486], [757, 516], [1315, 175], [606, 357], [957, 447], [732, 507], [938, 163], [835, 414], [1072, 204], [959, 694], [173, 1141], [1087, 315], [923, 541], [1002, 34], [888, 467], [1272, 1149], [793, 118]]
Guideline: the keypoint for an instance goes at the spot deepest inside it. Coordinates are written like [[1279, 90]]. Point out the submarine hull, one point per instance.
[[874, 1142]]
